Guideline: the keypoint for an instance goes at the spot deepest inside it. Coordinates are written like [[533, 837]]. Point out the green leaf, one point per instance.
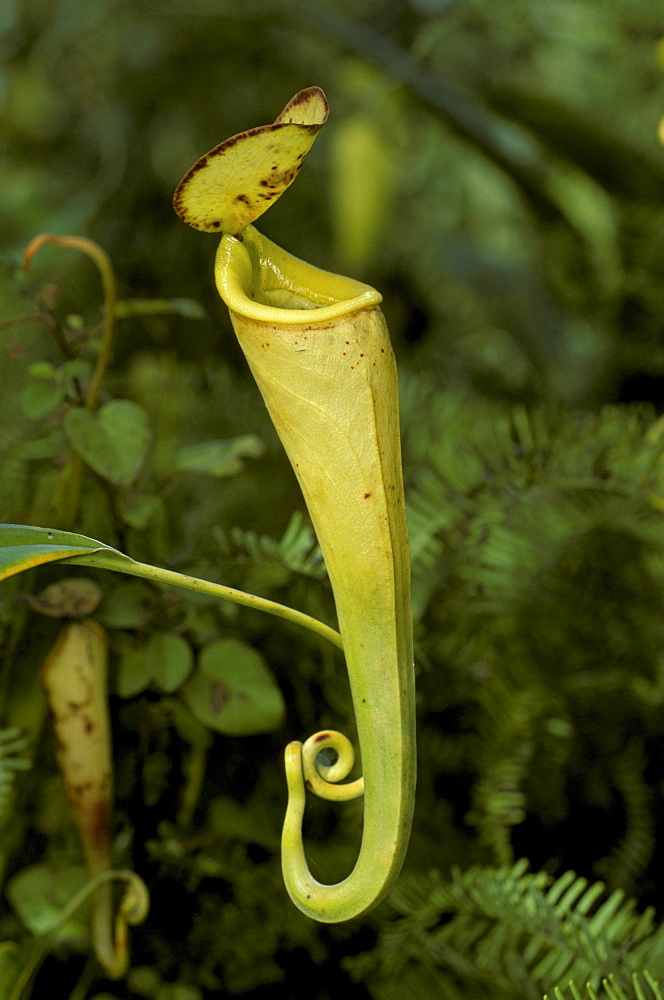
[[164, 661], [39, 398], [363, 173], [143, 980], [188, 308], [114, 442], [47, 447], [186, 726], [71, 597], [40, 893], [133, 675], [22, 547], [179, 991], [138, 509], [218, 458], [232, 691], [76, 368], [130, 605], [41, 369], [172, 661]]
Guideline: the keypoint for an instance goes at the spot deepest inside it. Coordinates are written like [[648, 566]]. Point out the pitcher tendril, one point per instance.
[[319, 350], [321, 778]]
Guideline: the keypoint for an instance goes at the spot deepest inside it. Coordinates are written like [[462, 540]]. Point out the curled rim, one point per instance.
[[259, 280]]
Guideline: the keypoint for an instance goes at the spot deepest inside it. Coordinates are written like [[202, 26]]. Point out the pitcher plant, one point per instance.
[[318, 347]]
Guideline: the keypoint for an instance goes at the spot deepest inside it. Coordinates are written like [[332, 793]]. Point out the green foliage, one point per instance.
[[511, 933], [630, 858], [494, 170], [218, 458], [10, 966], [233, 691], [162, 659], [506, 735], [268, 561], [13, 758], [40, 893], [114, 442], [613, 991]]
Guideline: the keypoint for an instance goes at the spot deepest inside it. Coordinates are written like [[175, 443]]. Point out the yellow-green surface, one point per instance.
[[239, 179], [329, 382]]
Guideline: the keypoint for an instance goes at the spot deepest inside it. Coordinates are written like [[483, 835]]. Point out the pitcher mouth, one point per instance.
[[259, 280]]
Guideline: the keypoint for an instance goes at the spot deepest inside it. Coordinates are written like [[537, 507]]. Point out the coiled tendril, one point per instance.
[[323, 778]]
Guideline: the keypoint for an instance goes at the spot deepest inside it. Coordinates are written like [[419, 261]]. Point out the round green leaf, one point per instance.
[[233, 691], [76, 368], [133, 674], [163, 660], [41, 369], [40, 893], [171, 659], [138, 509], [114, 442], [131, 605], [39, 398]]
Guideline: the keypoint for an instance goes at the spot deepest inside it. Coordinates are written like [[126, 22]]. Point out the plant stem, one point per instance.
[[105, 268], [170, 578], [133, 910], [69, 493]]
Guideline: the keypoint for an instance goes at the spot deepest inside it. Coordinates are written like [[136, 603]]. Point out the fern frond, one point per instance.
[[643, 987], [296, 553], [501, 505], [518, 932], [633, 854], [505, 733], [549, 772], [13, 758], [426, 520]]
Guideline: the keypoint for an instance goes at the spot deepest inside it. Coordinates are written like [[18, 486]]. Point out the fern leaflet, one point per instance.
[[517, 933], [612, 990], [13, 747], [296, 552]]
